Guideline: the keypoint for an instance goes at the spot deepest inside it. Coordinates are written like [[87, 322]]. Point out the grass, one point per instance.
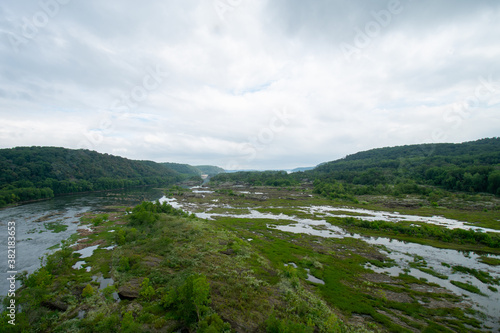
[[489, 261], [484, 277], [467, 286], [55, 227]]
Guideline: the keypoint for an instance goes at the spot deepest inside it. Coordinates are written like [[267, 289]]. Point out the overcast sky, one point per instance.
[[247, 83]]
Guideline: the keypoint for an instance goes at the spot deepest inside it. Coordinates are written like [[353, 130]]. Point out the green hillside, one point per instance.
[[185, 169], [416, 169], [210, 169], [470, 166], [31, 173]]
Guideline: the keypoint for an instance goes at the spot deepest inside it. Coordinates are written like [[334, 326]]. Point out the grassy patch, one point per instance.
[[468, 287], [55, 227], [489, 261]]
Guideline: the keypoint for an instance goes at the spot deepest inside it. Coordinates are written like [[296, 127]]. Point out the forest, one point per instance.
[[33, 173], [415, 169]]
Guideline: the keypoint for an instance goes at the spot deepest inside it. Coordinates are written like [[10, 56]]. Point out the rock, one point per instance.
[[55, 304], [130, 290], [152, 261]]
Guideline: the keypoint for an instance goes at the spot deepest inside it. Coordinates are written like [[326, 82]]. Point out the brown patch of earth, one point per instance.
[[80, 246]]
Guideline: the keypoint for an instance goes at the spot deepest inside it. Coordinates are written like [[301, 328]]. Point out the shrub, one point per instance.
[[190, 300], [87, 291]]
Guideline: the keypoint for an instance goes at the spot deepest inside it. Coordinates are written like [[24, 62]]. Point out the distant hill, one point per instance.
[[210, 169], [470, 166], [30, 173], [185, 169], [301, 169]]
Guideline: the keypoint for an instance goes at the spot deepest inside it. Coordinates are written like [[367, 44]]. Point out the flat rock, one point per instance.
[[130, 290]]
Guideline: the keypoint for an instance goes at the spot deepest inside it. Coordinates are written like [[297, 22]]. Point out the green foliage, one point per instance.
[[442, 234], [468, 287], [269, 178], [55, 227], [482, 276], [87, 291], [213, 324], [147, 291], [275, 325], [124, 264], [190, 300], [99, 219], [470, 166], [33, 173], [128, 323], [146, 213], [209, 169], [59, 261], [40, 278], [108, 292]]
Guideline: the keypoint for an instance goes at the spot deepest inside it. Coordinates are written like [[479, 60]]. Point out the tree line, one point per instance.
[[32, 173], [416, 169]]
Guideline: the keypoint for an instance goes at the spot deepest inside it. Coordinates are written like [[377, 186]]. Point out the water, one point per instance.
[[402, 253], [33, 240]]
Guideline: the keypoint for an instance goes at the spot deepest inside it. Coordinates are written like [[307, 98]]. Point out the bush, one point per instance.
[[87, 291], [190, 300], [147, 292]]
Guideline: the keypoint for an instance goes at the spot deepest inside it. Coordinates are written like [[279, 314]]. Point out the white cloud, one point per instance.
[[85, 78]]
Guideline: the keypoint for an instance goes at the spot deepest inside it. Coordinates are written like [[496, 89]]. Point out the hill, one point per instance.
[[31, 173], [210, 169], [185, 169], [469, 166], [414, 169]]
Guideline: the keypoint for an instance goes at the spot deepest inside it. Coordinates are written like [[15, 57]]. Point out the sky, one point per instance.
[[247, 84]]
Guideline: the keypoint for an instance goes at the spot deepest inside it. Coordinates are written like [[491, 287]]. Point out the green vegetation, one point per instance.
[[33, 173], [484, 277], [55, 226], [427, 231], [490, 261], [254, 178], [467, 286], [429, 170], [183, 168], [209, 169], [207, 276], [470, 166]]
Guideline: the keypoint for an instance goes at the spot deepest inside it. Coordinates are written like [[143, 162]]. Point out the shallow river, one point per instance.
[[33, 239]]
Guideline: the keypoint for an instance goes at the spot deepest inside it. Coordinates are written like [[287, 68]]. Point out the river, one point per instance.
[[34, 239]]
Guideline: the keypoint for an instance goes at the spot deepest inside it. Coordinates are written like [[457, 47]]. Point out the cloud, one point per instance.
[[202, 82]]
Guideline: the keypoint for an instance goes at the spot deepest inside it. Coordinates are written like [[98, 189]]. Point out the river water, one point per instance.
[[33, 239]]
